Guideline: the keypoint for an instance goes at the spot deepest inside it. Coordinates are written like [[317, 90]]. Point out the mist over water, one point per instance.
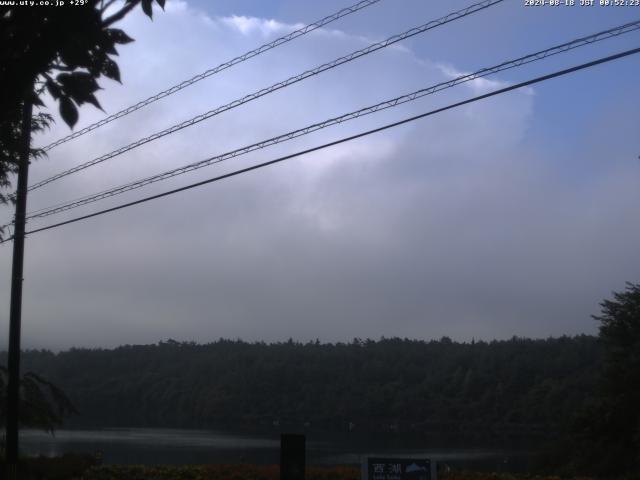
[[174, 447]]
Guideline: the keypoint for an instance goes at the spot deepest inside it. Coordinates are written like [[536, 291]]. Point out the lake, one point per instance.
[[172, 446]]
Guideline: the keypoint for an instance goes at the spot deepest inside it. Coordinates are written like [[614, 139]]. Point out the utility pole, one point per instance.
[[15, 316]]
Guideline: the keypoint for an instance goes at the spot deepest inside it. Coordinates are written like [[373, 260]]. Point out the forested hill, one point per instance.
[[518, 385]]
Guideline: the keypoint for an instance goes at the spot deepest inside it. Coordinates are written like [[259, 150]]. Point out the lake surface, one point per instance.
[[169, 446]]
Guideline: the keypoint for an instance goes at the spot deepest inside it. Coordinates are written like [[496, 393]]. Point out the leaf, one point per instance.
[[106, 43], [146, 7], [78, 82], [110, 70], [41, 121], [110, 48], [63, 403], [75, 54], [118, 36], [94, 101], [80, 86], [54, 89], [68, 111], [161, 3], [36, 101]]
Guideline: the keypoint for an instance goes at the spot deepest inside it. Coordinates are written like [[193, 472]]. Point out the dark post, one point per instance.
[[13, 387], [292, 457]]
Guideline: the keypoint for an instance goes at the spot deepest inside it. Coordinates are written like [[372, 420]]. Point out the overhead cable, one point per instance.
[[285, 83], [212, 71], [343, 140], [533, 57]]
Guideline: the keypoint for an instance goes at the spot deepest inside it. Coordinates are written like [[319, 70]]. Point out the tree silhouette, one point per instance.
[[605, 438], [619, 416], [62, 50], [59, 50], [42, 404]]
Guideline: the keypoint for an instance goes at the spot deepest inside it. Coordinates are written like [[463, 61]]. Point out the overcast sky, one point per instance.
[[512, 216]]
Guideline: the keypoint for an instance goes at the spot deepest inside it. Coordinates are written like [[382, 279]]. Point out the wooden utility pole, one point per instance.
[[15, 316]]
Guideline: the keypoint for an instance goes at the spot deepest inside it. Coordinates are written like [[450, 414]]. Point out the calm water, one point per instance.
[[159, 446]]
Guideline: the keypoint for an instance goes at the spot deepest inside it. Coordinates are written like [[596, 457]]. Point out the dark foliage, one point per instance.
[[66, 467], [42, 404], [498, 388], [62, 51], [620, 336], [607, 434], [604, 439]]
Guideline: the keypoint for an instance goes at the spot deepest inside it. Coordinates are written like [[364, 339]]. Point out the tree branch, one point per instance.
[[62, 68], [119, 15], [103, 7]]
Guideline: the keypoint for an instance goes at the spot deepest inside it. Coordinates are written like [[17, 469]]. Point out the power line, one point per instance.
[[223, 66], [533, 57], [285, 83], [346, 139]]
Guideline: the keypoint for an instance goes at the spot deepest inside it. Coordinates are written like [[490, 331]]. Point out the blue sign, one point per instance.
[[376, 468]]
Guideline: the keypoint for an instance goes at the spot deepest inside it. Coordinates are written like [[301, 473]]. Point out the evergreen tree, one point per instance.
[[618, 416]]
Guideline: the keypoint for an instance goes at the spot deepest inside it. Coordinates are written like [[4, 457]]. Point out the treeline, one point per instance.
[[518, 386]]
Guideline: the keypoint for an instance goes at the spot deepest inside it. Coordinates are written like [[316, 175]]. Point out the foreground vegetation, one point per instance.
[[214, 472], [72, 467], [267, 472]]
